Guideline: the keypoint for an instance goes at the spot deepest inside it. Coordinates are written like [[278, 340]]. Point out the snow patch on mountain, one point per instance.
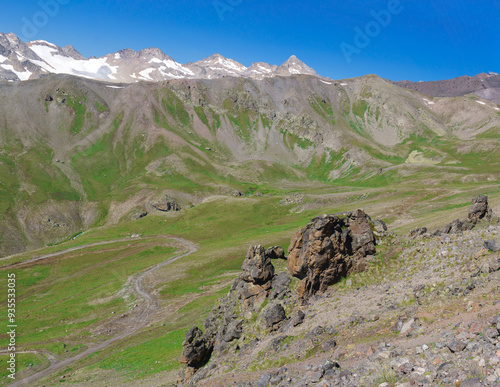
[[90, 68]]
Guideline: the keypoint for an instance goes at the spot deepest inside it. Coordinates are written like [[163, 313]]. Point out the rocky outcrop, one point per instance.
[[196, 350], [257, 267], [380, 228], [417, 232], [479, 209], [168, 205], [328, 248], [225, 324], [254, 283]]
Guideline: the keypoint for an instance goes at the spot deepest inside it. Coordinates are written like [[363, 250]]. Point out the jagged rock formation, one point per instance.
[[226, 322], [260, 302], [168, 205], [478, 211], [196, 349], [254, 283], [328, 248]]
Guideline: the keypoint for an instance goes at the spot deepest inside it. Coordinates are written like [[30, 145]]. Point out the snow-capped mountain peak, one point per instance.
[[21, 61]]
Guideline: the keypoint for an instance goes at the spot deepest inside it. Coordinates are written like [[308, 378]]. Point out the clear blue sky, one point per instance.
[[424, 40]]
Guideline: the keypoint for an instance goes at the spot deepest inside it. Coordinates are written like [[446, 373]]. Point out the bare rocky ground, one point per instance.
[[426, 312]]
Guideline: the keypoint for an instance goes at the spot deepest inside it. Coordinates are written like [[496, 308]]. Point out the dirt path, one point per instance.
[[41, 257], [137, 321]]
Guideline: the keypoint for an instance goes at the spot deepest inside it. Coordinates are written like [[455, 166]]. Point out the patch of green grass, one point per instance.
[[61, 297], [79, 109], [101, 108], [321, 167], [359, 108], [201, 114], [292, 140]]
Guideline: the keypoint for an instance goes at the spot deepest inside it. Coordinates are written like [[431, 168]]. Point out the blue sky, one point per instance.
[[423, 40]]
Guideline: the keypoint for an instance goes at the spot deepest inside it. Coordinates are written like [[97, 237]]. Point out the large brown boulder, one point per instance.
[[328, 248]]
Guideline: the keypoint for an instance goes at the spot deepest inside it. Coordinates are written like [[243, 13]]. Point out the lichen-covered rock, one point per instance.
[[328, 248], [196, 350]]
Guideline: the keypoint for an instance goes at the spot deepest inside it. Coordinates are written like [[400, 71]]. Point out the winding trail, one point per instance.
[[141, 319]]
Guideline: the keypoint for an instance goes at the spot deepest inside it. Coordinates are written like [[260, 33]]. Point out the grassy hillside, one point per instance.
[[65, 163]]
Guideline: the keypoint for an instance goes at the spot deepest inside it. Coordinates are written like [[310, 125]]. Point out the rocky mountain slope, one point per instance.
[[485, 86], [21, 61], [422, 310], [87, 152]]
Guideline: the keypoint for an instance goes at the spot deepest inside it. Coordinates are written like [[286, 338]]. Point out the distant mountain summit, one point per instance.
[[21, 61]]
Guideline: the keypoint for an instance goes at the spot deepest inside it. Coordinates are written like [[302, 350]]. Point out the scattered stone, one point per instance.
[[292, 199], [475, 382], [492, 245], [329, 345], [456, 346], [298, 318], [273, 315]]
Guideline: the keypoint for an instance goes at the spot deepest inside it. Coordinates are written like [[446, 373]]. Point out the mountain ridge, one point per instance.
[[483, 85], [20, 61]]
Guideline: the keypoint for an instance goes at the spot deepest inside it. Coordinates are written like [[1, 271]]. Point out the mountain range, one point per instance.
[[21, 61]]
